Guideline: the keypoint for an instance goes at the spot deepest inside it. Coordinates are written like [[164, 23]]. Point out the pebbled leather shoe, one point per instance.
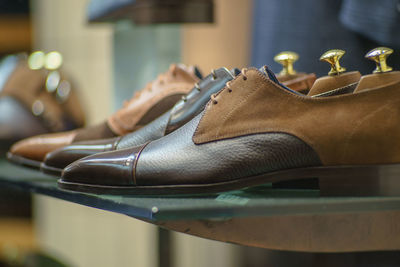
[[257, 131], [155, 99], [184, 110]]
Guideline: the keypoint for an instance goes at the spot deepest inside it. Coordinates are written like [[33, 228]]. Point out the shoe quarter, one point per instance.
[[362, 128]]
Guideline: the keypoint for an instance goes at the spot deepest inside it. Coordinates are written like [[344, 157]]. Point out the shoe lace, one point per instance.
[[228, 86]]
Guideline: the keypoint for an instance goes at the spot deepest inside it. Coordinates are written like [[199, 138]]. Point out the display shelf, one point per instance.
[[296, 220]]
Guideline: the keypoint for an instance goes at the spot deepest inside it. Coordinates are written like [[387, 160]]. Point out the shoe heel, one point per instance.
[[374, 180]]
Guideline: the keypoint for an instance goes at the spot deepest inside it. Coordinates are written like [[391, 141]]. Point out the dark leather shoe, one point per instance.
[[181, 113], [256, 131], [146, 105]]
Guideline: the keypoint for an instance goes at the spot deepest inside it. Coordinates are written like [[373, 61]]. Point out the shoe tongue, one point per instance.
[[329, 83], [269, 74]]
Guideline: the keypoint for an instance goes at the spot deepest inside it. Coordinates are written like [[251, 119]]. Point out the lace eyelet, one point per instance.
[[244, 78]]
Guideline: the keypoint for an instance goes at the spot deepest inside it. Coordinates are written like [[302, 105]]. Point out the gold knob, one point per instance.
[[332, 57], [379, 55], [286, 59]]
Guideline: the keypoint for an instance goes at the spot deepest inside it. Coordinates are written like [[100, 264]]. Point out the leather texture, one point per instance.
[[155, 99], [65, 155], [61, 157], [161, 95], [359, 128], [175, 159], [35, 148], [119, 170], [194, 102], [256, 128], [152, 131], [183, 111]]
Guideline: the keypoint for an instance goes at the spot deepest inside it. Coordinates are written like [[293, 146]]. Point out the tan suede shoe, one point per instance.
[[152, 101]]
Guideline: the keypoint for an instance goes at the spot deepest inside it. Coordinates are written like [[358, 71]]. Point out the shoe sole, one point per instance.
[[50, 170], [361, 180], [18, 160]]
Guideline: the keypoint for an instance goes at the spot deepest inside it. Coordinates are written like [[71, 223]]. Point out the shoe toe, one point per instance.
[[113, 168], [62, 157]]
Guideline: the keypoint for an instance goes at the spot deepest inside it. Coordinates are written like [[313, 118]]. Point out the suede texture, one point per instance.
[[359, 128]]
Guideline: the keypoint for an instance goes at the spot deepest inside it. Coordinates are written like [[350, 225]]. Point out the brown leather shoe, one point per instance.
[[184, 110], [256, 131], [146, 105]]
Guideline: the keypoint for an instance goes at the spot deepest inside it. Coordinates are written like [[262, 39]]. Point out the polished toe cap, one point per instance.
[[36, 147], [113, 168], [66, 155]]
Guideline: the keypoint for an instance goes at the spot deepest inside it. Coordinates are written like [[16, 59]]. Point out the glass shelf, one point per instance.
[[259, 201], [297, 220]]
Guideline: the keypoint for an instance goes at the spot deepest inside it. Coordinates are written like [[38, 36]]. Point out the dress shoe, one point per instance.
[[257, 131], [36, 98], [146, 105], [184, 110]]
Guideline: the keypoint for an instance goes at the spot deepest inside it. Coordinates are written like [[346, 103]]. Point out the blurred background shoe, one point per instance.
[[36, 97], [153, 100]]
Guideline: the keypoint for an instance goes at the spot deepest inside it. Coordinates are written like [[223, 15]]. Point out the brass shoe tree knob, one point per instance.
[[379, 55], [332, 57], [286, 59]]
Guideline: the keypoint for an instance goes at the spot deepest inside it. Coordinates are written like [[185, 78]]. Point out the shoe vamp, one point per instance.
[[175, 159]]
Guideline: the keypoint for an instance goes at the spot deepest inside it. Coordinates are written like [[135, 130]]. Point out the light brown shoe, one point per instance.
[[152, 101]]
